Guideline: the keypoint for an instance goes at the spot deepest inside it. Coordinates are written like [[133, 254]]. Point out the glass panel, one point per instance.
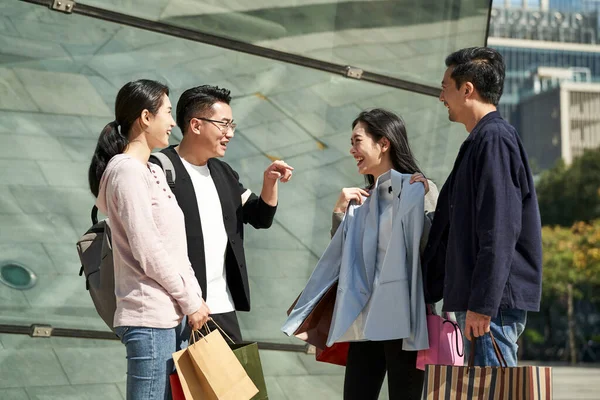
[[60, 75], [406, 39], [61, 368]]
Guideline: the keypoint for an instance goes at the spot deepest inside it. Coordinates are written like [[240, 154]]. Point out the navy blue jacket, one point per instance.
[[485, 246]]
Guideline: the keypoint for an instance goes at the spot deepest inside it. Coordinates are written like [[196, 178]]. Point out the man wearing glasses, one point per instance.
[[215, 204]]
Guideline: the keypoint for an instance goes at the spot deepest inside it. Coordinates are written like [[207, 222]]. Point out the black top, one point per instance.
[[254, 211], [485, 249]]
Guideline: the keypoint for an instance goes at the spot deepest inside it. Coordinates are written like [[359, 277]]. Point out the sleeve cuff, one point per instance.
[[193, 306], [266, 208]]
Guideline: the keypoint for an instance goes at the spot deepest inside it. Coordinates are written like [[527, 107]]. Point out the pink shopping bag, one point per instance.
[[445, 343]]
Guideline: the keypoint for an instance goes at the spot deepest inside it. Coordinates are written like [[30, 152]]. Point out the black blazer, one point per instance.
[[235, 214]]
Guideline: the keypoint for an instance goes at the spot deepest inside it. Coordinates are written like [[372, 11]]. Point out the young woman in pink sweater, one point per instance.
[[155, 285]]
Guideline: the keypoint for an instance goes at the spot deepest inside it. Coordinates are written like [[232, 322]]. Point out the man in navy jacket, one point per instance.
[[484, 254]]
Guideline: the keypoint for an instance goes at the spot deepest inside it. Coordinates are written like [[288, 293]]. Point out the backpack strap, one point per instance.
[[165, 163], [94, 215]]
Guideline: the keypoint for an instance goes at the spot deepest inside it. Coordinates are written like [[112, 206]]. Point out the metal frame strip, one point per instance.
[[47, 331], [236, 45]]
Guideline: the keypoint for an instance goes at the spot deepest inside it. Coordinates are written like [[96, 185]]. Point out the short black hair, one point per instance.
[[198, 100], [483, 67]]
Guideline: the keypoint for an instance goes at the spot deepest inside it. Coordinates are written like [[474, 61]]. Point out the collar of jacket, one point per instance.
[[486, 118]]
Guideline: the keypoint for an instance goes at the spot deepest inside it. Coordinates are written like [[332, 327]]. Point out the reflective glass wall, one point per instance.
[[403, 38], [59, 75]]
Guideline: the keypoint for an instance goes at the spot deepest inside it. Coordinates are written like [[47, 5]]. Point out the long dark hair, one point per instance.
[[381, 123], [132, 99]]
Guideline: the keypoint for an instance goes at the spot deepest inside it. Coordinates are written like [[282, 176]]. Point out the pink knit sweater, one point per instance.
[[154, 281]]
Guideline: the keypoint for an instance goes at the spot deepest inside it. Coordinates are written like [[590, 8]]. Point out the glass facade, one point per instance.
[[558, 5], [575, 5], [562, 35], [522, 66], [403, 39], [59, 75]]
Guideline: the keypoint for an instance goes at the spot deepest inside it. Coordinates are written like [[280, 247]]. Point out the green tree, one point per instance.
[[586, 255], [569, 199], [570, 194], [571, 259], [551, 196]]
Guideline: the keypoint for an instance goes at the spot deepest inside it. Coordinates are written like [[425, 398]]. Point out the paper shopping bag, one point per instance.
[[247, 355], [192, 384], [315, 328], [222, 377], [443, 382], [445, 343], [336, 354], [176, 389]]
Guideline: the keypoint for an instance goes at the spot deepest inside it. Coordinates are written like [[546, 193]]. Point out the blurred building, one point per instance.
[[566, 122], [548, 45]]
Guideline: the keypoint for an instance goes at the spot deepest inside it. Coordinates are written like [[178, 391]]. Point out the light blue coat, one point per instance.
[[397, 309]]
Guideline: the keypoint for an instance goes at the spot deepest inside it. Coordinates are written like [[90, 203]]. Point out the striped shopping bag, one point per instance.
[[443, 382]]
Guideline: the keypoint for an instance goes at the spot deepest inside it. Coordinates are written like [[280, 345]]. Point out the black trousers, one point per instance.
[[368, 363]]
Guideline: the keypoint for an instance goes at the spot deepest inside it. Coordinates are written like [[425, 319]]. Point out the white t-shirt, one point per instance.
[[218, 297]]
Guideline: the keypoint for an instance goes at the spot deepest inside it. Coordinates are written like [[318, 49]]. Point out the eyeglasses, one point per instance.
[[221, 125]]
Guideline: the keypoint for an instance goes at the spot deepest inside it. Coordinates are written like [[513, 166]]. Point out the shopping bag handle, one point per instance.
[[193, 336], [499, 356], [221, 329], [458, 334]]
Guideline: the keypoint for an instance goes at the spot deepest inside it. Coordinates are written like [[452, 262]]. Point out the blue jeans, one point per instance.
[[149, 360], [506, 327]]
